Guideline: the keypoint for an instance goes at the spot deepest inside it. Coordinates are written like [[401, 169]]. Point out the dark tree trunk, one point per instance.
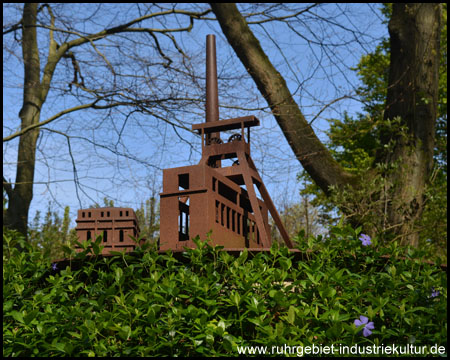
[[307, 147], [412, 96], [21, 194]]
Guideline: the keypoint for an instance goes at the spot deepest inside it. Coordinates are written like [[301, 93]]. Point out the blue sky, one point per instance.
[[314, 57]]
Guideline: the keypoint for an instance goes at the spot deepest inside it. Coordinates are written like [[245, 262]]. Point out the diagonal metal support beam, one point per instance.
[[248, 180], [271, 207]]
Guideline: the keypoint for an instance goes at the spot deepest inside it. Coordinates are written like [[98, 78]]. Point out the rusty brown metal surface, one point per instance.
[[211, 198], [212, 92], [115, 224]]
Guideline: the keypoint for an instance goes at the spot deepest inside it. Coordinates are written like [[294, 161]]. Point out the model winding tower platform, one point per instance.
[[209, 197]]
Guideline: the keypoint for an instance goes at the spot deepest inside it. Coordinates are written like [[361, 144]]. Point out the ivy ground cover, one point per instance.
[[206, 302]]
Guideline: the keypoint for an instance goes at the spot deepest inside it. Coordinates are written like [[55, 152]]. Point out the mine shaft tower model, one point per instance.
[[208, 197]]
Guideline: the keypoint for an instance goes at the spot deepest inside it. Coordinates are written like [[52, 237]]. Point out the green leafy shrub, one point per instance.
[[210, 303]]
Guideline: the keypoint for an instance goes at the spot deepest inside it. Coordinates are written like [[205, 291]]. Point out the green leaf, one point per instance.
[[274, 249], [19, 288], [256, 321], [139, 297], [370, 312], [236, 298], [329, 292], [30, 317], [221, 325], [392, 270], [117, 253], [118, 275], [285, 263], [242, 257], [75, 334], [125, 332], [97, 248], [350, 328], [335, 331], [7, 305], [209, 302], [254, 304], [338, 274], [17, 316], [119, 300], [312, 278], [59, 346], [291, 315]]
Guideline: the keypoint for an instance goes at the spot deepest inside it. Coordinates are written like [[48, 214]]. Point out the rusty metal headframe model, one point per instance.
[[115, 224], [208, 197]]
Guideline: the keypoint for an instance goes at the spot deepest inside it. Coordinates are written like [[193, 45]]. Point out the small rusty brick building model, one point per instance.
[[211, 197], [116, 225]]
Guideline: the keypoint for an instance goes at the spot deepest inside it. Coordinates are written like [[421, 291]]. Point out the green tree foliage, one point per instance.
[[106, 203], [51, 234], [148, 219], [356, 143]]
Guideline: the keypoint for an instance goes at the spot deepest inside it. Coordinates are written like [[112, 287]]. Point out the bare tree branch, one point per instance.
[[277, 18], [65, 112]]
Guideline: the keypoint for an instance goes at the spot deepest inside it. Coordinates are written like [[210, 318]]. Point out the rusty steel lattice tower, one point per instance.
[[210, 197]]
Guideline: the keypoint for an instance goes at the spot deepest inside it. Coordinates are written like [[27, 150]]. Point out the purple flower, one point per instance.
[[54, 266], [368, 326], [365, 239], [434, 293]]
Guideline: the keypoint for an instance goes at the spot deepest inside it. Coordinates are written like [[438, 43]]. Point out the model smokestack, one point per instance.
[[212, 97]]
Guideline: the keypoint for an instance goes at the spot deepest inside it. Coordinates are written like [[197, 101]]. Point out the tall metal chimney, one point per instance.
[[212, 97]]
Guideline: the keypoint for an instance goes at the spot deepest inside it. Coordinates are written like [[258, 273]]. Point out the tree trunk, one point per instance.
[[21, 194], [412, 97], [309, 150]]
